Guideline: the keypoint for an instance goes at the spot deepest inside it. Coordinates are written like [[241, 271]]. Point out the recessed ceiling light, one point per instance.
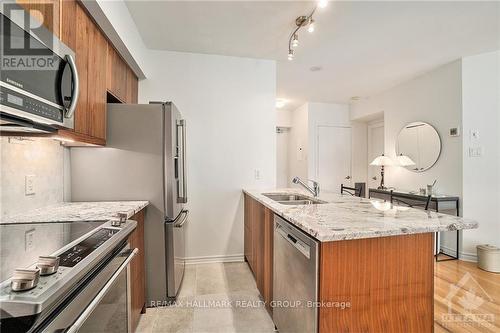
[[280, 102], [315, 68]]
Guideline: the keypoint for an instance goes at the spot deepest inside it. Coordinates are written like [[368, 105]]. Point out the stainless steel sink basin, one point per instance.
[[293, 199], [300, 202]]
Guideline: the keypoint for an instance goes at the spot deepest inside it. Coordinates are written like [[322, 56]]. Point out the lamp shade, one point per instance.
[[381, 161], [404, 160]]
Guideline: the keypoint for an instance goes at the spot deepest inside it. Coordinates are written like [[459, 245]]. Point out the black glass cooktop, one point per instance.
[[21, 244]]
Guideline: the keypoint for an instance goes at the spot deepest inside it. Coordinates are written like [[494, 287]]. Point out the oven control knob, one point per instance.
[[24, 279], [47, 265]]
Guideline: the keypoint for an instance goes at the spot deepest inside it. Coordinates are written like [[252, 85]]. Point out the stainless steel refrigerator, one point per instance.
[[144, 159]]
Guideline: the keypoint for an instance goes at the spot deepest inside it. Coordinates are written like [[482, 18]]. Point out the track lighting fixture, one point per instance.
[[310, 26], [300, 22]]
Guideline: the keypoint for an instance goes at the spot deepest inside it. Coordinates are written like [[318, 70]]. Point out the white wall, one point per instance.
[[229, 105], [481, 175], [298, 144], [283, 118], [44, 158], [435, 98]]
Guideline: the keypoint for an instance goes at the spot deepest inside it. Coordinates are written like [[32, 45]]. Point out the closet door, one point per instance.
[[334, 157]]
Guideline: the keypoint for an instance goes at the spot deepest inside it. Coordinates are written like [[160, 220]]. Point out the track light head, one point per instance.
[[295, 40], [291, 54], [310, 26]]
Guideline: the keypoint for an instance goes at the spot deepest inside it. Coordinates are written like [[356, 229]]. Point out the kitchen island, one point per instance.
[[375, 257]]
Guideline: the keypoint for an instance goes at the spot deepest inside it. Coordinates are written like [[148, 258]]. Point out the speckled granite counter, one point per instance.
[[345, 217], [78, 211]]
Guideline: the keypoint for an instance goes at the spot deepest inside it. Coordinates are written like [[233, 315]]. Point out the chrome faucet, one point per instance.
[[314, 189]]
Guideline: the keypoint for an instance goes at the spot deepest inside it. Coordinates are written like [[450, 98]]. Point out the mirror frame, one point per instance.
[[440, 145]]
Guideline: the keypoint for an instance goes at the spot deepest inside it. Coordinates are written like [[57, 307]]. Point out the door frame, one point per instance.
[[370, 127], [316, 160]]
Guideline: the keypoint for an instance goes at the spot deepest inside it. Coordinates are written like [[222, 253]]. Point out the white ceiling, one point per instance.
[[362, 47]]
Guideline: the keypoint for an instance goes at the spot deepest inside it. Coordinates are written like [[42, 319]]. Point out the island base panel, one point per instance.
[[387, 281]]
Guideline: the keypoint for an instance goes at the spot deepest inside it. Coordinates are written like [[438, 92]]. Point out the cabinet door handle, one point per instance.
[[75, 80]]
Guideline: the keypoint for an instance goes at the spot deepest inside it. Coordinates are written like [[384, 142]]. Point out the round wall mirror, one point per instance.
[[418, 146]]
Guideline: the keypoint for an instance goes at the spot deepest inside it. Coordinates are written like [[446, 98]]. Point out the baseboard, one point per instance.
[[215, 259], [463, 255]]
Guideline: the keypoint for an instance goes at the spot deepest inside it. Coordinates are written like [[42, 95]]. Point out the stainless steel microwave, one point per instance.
[[38, 75]]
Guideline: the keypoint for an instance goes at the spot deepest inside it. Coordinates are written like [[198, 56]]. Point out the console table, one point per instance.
[[437, 202]]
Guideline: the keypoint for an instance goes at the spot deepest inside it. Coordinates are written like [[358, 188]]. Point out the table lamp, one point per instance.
[[381, 161], [404, 160]]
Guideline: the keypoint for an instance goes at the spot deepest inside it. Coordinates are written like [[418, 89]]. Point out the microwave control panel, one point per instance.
[[25, 103]]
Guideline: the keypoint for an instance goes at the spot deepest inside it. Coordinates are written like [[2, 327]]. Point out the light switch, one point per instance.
[[257, 174], [475, 151], [29, 241], [29, 188]]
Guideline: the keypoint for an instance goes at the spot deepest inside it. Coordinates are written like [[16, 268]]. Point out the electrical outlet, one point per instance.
[[257, 174], [29, 240], [29, 188]]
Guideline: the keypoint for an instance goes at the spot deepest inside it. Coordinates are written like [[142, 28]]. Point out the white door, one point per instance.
[[333, 165], [375, 148]]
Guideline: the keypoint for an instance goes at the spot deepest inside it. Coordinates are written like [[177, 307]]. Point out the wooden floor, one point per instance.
[[466, 298]]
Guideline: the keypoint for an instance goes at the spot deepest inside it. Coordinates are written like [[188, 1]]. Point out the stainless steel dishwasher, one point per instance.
[[295, 282]]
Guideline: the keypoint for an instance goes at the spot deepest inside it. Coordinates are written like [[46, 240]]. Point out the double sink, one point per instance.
[[293, 199]]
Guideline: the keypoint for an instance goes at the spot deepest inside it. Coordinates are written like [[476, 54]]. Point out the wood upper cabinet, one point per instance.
[[82, 35], [46, 11], [101, 69], [116, 81], [132, 87]]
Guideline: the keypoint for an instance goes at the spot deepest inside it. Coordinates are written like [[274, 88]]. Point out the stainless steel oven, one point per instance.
[[38, 75], [102, 304], [84, 286]]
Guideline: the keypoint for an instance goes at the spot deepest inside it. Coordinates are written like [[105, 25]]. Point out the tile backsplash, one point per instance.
[[45, 159]]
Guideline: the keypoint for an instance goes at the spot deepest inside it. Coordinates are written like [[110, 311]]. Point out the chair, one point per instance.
[[354, 191], [402, 199]]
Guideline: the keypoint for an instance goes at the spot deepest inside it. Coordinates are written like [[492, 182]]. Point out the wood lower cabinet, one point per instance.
[[387, 281], [137, 271], [258, 246]]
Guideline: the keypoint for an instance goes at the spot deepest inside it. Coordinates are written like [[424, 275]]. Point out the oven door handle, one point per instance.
[[98, 298], [76, 87]]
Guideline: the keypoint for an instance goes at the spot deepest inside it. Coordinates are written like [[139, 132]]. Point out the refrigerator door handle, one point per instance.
[[181, 223], [183, 198]]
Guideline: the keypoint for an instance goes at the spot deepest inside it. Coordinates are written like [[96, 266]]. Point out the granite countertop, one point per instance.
[[78, 211], [345, 217]]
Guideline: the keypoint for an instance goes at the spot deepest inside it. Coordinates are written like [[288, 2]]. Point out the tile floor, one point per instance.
[[213, 298]]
